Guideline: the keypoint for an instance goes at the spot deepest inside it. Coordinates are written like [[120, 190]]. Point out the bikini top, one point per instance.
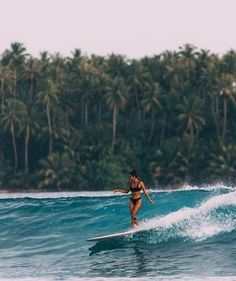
[[135, 189]]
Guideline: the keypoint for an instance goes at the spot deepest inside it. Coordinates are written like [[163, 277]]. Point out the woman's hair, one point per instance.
[[133, 173]]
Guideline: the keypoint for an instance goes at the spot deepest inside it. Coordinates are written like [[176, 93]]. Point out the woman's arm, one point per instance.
[[145, 192], [122, 190]]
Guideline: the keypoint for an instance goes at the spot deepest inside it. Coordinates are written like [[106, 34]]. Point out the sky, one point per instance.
[[133, 28]]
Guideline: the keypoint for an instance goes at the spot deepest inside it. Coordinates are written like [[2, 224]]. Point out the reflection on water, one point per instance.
[[137, 259], [188, 233], [106, 246]]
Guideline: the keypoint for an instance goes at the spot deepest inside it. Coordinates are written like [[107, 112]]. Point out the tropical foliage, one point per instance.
[[84, 121]]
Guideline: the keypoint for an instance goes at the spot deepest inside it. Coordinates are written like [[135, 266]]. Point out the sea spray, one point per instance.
[[189, 234]]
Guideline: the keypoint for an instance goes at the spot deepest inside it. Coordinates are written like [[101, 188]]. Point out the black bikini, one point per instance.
[[135, 189], [135, 200]]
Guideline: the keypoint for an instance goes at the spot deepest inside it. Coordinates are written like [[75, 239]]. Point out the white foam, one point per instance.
[[66, 194], [197, 223], [187, 187]]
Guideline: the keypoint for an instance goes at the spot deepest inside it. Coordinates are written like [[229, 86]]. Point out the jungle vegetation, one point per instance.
[[83, 122]]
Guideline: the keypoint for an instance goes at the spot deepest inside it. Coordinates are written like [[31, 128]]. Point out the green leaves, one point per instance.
[[223, 162], [58, 171], [83, 121]]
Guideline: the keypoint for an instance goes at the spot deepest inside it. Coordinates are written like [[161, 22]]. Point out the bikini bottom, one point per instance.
[[135, 200]]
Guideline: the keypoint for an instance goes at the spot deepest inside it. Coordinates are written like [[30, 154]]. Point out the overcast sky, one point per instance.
[[134, 28]]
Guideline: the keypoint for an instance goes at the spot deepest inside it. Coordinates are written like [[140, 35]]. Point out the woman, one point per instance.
[[135, 187]]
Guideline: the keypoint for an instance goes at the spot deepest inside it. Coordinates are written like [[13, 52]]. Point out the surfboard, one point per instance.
[[113, 236]]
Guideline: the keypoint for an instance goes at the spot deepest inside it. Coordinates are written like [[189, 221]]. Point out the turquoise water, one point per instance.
[[189, 234]]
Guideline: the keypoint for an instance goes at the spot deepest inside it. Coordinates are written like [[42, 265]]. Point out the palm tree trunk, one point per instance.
[[225, 121], [114, 126], [14, 146], [49, 131], [27, 136]]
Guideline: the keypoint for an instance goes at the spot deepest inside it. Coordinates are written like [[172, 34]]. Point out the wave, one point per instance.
[[215, 216], [55, 195], [46, 237], [187, 187], [68, 194]]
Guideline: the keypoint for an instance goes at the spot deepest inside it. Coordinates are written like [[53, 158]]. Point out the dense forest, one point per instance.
[[83, 122]]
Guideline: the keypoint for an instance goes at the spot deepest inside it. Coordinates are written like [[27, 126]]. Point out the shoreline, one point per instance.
[[8, 191], [5, 190]]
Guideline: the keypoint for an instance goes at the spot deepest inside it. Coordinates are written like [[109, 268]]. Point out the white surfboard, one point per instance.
[[114, 235]]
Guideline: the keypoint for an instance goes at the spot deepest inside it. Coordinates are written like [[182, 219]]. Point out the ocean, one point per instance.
[[189, 234]]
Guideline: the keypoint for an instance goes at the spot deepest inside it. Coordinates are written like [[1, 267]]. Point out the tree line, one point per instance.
[[83, 122]]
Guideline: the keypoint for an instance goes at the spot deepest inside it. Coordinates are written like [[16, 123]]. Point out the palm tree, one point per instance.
[[190, 115], [49, 99], [137, 79], [116, 99], [29, 128], [32, 74], [15, 58], [45, 60], [151, 102], [99, 84], [11, 120], [116, 66], [172, 75], [229, 62], [188, 56], [88, 81], [60, 126], [73, 70], [73, 78], [228, 93], [57, 70], [208, 85], [6, 79]]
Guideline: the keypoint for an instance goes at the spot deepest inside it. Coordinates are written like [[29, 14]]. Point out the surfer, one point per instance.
[[135, 186]]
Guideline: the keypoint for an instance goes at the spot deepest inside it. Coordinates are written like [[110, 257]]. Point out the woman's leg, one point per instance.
[[134, 208], [131, 207]]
